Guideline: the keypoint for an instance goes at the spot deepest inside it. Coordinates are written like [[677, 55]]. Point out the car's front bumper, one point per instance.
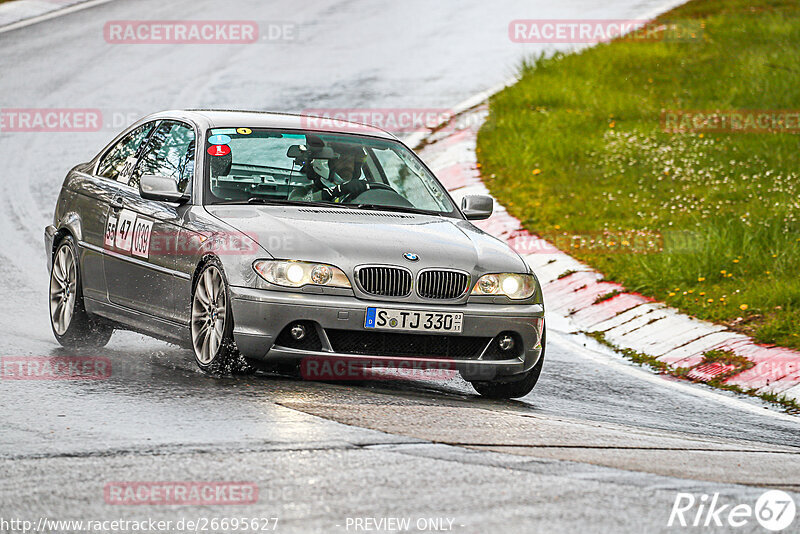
[[261, 315]]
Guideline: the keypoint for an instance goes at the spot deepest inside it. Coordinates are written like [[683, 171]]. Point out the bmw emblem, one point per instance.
[[410, 256]]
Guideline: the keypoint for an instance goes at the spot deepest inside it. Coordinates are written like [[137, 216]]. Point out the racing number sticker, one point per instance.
[[142, 229], [127, 169], [129, 233], [111, 231], [219, 150], [124, 228]]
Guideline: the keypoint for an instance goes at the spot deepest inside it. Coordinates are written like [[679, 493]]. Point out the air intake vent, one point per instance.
[[384, 281], [364, 213], [442, 284], [392, 344]]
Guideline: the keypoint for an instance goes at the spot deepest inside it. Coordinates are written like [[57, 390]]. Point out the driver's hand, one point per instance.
[[350, 189]]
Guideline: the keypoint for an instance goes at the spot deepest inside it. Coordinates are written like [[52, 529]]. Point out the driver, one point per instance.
[[344, 171]]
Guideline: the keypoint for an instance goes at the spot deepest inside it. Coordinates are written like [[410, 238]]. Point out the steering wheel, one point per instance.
[[380, 185], [372, 186]]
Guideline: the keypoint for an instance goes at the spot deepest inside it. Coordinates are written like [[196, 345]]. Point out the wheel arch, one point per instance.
[[59, 236], [204, 260], [70, 224]]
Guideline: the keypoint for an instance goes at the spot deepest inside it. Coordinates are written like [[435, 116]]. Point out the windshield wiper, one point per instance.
[[393, 208], [284, 202], [262, 200]]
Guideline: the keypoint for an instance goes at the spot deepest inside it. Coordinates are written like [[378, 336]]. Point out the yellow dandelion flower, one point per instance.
[[702, 293], [701, 279], [710, 300], [743, 307], [672, 294], [735, 261], [536, 171]]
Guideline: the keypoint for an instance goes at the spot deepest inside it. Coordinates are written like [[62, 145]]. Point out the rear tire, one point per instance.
[[516, 389], [73, 326], [214, 349]]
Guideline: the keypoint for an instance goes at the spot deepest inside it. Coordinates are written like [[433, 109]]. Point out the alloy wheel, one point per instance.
[[209, 307], [63, 285]]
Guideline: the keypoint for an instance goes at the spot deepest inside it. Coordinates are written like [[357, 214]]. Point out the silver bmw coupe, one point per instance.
[[258, 237]]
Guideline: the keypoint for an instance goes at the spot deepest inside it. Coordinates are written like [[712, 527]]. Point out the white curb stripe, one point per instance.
[[57, 11]]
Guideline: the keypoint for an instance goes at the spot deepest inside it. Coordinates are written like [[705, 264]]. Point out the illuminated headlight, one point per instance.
[[290, 273], [512, 285]]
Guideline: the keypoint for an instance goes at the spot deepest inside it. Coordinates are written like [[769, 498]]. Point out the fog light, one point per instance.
[[298, 332], [506, 343]]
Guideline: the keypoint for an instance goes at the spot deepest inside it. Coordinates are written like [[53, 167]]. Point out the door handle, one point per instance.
[[116, 204]]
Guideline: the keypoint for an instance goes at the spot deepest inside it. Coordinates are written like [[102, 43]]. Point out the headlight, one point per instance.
[[512, 285], [291, 273]]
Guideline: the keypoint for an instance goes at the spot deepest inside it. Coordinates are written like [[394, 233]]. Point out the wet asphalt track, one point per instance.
[[599, 445]]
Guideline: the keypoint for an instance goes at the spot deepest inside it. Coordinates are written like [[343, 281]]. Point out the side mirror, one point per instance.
[[477, 207], [161, 188]]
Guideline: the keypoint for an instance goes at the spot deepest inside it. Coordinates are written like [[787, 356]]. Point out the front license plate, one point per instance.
[[413, 321]]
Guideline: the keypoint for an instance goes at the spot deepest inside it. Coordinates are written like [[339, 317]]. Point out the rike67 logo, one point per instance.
[[774, 510]]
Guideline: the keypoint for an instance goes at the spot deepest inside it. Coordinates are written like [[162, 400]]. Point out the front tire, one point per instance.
[[214, 349], [72, 325], [516, 389]]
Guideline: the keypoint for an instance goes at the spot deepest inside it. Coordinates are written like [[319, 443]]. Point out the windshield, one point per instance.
[[289, 166]]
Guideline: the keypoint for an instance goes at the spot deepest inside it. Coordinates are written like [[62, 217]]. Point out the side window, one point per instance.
[[123, 153], [169, 152]]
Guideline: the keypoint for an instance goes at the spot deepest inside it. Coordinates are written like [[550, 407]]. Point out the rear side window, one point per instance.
[[123, 154], [169, 152]]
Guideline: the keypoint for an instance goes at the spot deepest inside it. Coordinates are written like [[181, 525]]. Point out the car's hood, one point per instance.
[[347, 238]]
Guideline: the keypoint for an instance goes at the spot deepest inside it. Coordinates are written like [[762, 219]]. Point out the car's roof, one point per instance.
[[218, 118]]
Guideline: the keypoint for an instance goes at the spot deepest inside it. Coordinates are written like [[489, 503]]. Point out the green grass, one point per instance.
[[576, 151]]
